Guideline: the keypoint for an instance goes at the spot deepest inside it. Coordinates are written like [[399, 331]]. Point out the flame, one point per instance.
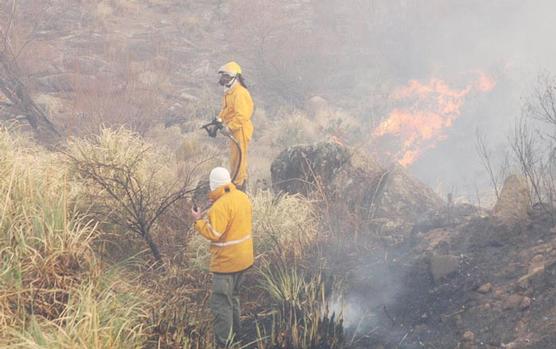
[[433, 108], [485, 83]]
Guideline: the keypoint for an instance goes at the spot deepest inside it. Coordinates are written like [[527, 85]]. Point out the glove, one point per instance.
[[218, 123]]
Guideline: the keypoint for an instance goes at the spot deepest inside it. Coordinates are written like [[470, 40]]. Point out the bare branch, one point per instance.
[[486, 159]]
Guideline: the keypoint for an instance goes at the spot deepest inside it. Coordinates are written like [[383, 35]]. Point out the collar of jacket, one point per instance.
[[231, 89], [220, 191]]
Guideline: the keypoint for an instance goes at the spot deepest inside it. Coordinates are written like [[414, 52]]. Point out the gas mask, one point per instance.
[[226, 80]]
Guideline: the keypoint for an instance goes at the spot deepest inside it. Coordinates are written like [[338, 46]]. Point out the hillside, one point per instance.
[[402, 183]]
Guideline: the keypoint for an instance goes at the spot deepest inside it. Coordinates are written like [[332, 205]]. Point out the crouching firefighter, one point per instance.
[[237, 109], [228, 227]]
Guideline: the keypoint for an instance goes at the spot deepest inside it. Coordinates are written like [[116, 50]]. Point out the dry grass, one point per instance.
[[52, 294], [57, 289]]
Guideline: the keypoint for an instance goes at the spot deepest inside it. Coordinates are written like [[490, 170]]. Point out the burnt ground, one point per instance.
[[422, 273], [496, 289]]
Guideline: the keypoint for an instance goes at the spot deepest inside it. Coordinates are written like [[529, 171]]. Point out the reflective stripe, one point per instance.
[[214, 231], [231, 242]]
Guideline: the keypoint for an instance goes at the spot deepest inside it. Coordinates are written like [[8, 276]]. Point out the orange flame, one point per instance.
[[485, 83], [433, 108]]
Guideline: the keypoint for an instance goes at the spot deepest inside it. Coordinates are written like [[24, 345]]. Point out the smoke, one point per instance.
[[376, 284], [510, 41], [354, 53]]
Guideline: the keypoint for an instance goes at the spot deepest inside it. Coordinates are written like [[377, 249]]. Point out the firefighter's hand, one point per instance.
[[196, 213]]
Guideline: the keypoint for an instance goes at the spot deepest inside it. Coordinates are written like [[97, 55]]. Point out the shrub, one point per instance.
[[130, 181]]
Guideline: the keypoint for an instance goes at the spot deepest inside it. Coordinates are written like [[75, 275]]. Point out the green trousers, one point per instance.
[[224, 304]]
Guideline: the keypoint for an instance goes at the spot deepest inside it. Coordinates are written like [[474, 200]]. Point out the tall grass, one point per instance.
[[52, 294], [57, 292]]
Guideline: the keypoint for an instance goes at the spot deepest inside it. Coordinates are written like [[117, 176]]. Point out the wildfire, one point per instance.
[[485, 83], [432, 108]]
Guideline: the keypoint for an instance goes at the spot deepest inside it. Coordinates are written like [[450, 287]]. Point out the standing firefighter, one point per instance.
[[237, 109], [228, 227]]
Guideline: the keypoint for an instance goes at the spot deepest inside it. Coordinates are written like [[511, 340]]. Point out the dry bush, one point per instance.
[[131, 182]]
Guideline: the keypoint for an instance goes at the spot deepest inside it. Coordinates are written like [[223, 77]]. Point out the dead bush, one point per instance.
[[131, 183]]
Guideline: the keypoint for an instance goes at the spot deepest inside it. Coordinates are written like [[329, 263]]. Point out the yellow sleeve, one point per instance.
[[243, 109], [223, 109], [214, 226]]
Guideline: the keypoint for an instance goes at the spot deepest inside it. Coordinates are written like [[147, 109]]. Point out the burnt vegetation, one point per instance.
[[102, 158]]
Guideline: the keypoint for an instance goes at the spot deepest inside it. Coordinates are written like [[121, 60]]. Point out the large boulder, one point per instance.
[[317, 106], [514, 201], [306, 168], [371, 192]]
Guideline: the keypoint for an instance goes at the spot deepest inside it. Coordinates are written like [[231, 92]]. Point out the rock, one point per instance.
[[525, 303], [468, 340], [400, 195], [441, 266], [306, 168], [534, 274], [317, 106], [486, 288], [514, 202], [383, 196], [486, 307], [512, 302], [468, 336], [536, 265]]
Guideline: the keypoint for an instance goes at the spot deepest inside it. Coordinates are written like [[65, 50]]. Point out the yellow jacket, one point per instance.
[[228, 227], [237, 109]]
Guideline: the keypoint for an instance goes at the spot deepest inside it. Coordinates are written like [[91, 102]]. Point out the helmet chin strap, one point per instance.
[[229, 84]]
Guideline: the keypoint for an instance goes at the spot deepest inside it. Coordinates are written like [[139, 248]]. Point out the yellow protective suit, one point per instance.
[[228, 226], [237, 109]]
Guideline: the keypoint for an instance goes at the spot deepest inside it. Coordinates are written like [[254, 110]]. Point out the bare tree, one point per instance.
[[130, 184], [533, 144], [542, 103], [528, 154], [496, 176], [11, 85]]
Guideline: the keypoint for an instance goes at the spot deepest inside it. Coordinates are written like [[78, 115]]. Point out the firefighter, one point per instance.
[[237, 109], [228, 228]]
